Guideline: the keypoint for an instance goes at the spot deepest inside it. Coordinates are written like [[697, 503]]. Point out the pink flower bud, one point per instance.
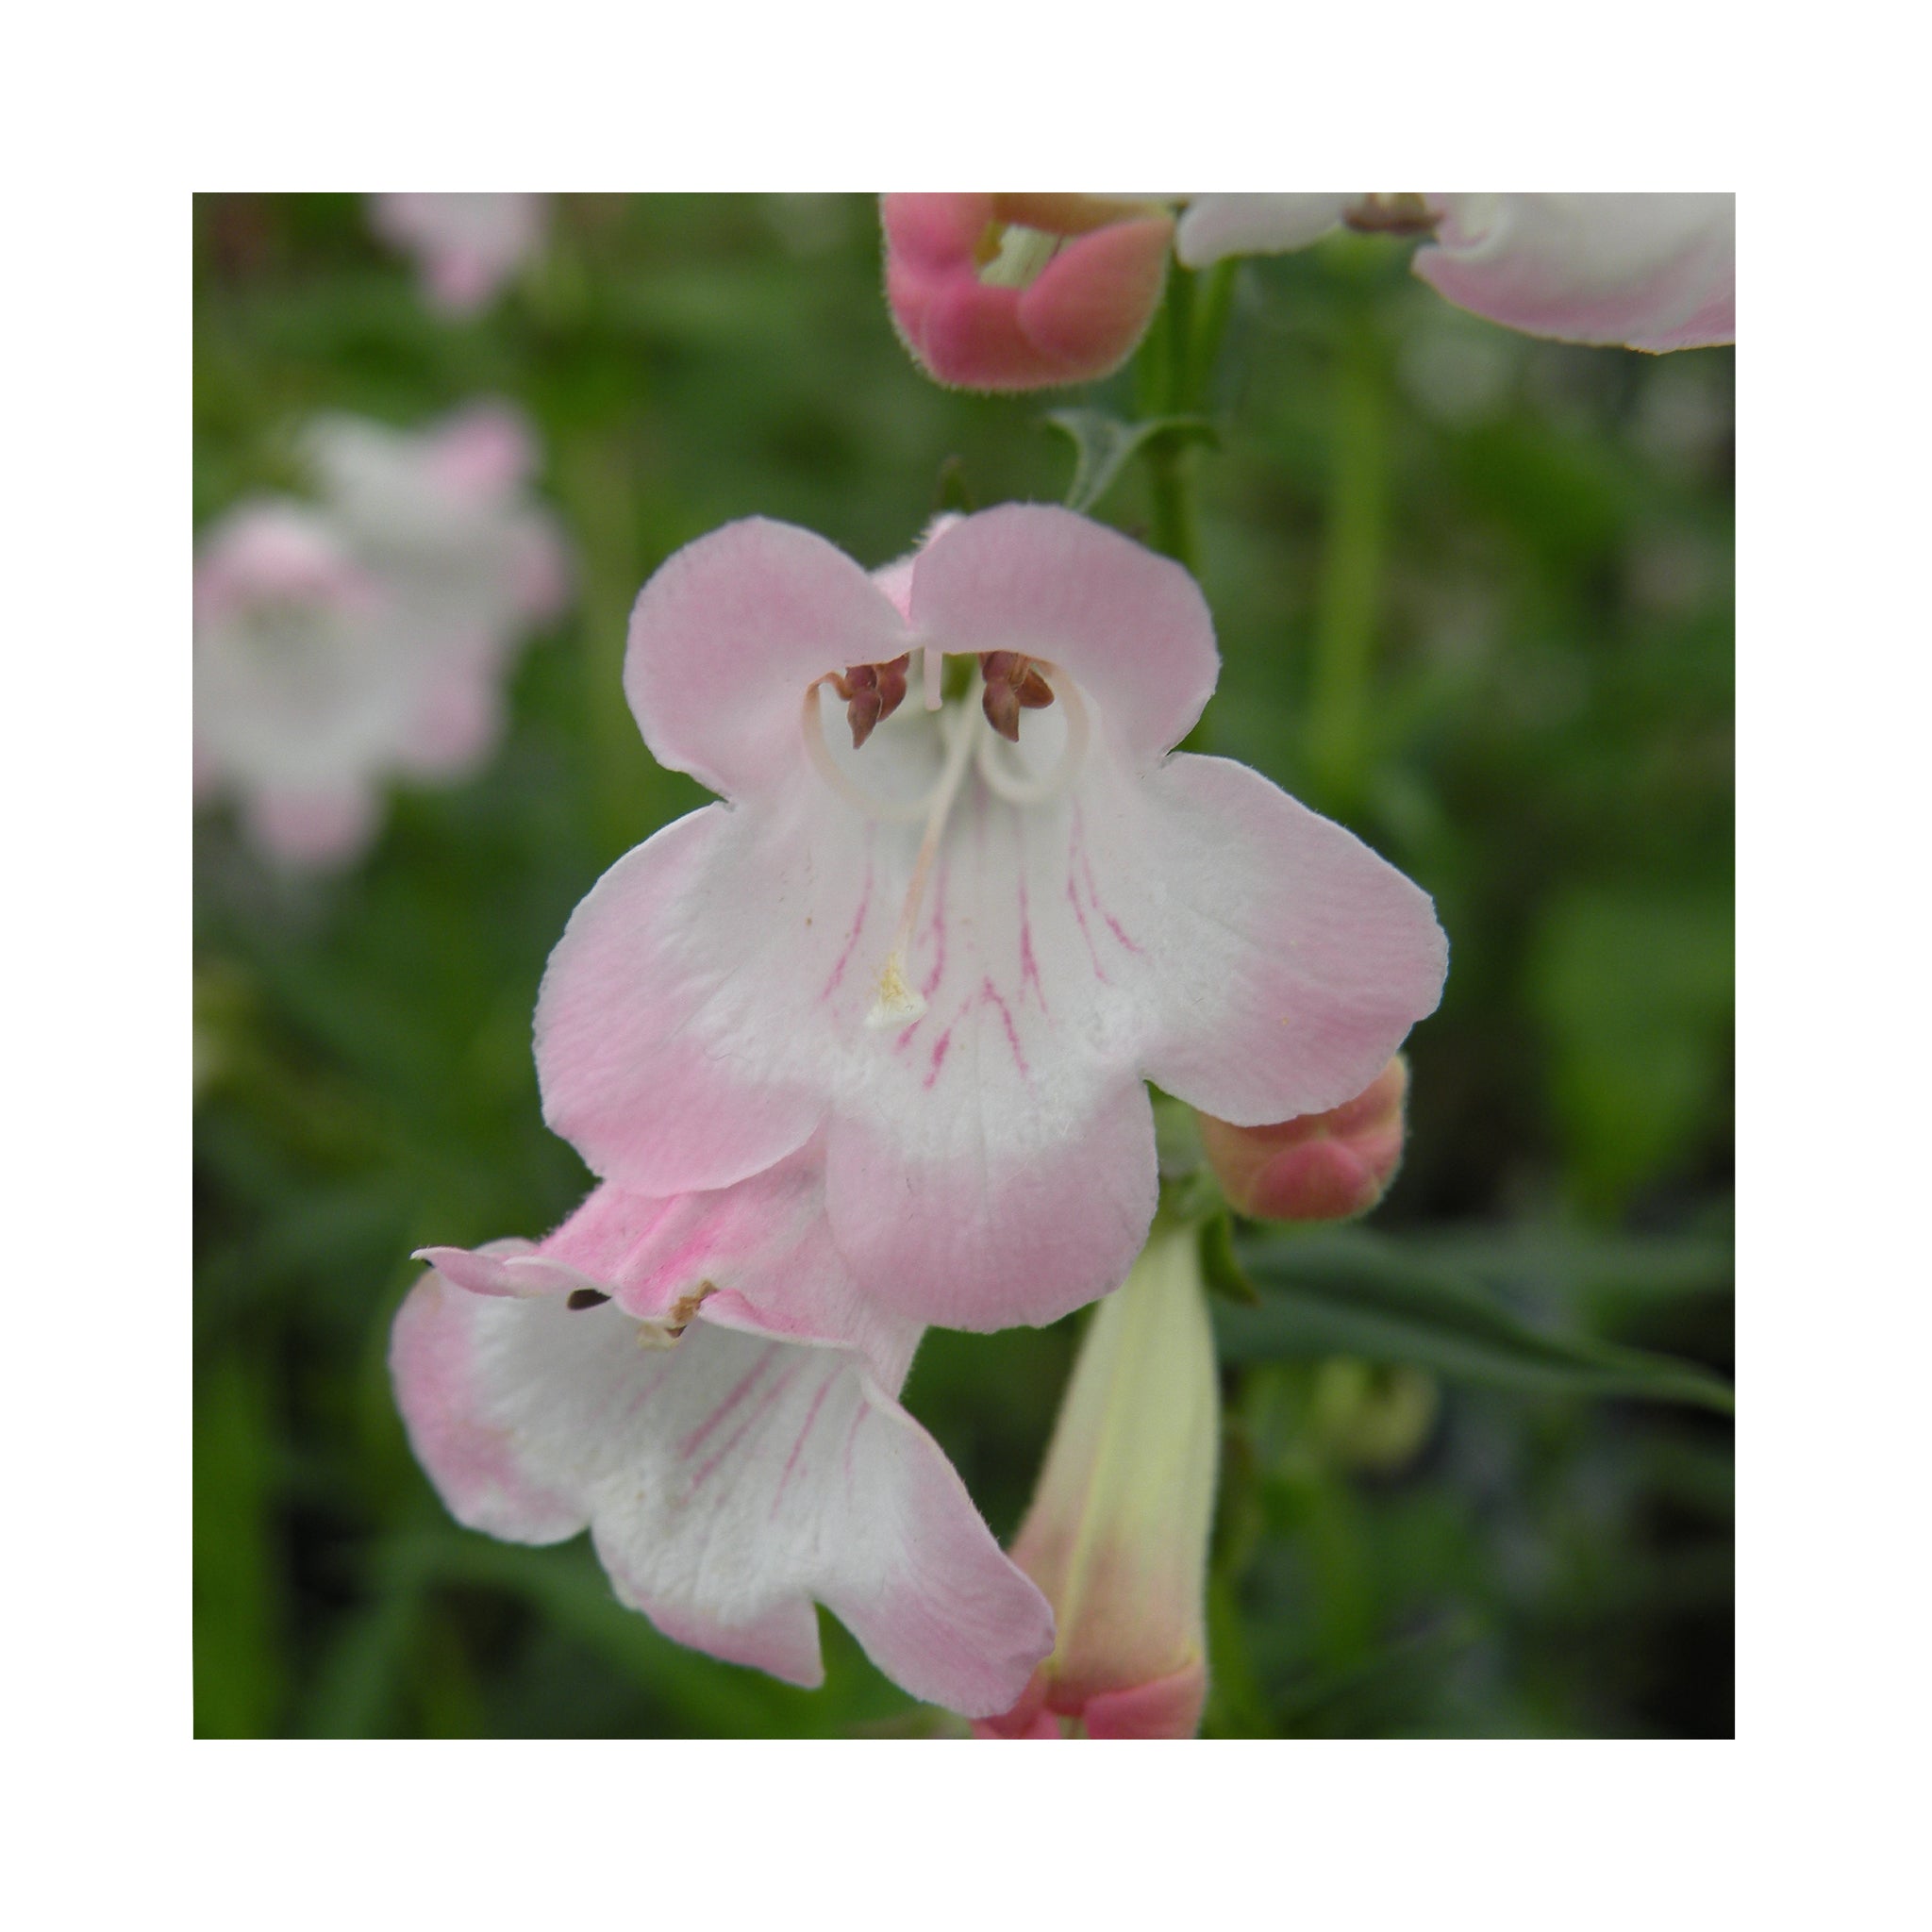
[[1319, 1166], [1117, 1537], [1016, 292]]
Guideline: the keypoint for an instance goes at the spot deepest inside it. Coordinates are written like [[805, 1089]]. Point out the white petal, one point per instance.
[[1214, 225], [727, 1482], [1650, 270]]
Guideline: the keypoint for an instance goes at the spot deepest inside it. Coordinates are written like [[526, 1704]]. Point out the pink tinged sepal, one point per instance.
[[1117, 1536], [1648, 271], [1318, 1166], [1022, 292], [728, 1478]]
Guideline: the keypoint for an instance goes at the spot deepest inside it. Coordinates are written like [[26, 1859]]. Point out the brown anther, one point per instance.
[[870, 692], [668, 1330], [585, 1298], [1391, 214], [1013, 684]]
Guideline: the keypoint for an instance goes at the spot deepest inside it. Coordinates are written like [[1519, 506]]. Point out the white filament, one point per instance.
[[897, 1003], [1016, 790], [898, 811]]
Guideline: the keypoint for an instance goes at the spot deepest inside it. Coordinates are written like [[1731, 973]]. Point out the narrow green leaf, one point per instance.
[[1103, 446], [1357, 1293], [239, 1687]]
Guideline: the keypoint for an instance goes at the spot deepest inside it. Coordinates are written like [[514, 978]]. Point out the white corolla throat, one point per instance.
[[1000, 686]]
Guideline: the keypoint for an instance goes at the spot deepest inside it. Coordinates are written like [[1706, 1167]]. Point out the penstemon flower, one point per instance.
[[1018, 291], [699, 1382], [442, 516], [368, 634], [295, 700], [959, 903], [467, 247], [1648, 271]]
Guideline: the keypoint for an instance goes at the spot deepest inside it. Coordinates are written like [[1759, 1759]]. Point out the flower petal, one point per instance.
[[727, 634], [687, 1019], [991, 1161], [1290, 960], [1214, 225], [1650, 270], [727, 1482], [1020, 1207], [1131, 627], [759, 1255]]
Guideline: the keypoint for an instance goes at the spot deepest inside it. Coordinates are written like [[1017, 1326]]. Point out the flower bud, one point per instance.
[[1319, 1166], [1018, 291], [1117, 1536]]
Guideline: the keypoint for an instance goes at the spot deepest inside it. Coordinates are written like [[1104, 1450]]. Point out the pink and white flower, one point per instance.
[[294, 696], [443, 517], [698, 1381], [1022, 292], [1647, 270], [368, 634], [467, 247], [958, 904]]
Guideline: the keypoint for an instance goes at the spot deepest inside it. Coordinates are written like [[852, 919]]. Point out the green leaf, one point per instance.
[[1103, 446], [1361, 1294], [239, 1687]]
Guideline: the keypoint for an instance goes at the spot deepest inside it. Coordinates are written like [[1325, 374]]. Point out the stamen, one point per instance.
[[892, 811], [1390, 214], [1016, 790], [871, 693], [585, 1298], [668, 1329], [1013, 684], [897, 1003]]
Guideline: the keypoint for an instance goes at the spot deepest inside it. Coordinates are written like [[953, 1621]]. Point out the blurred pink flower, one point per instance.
[[953, 915], [1019, 292], [370, 633], [1117, 1536], [1320, 1167], [1647, 270], [698, 1382], [466, 246], [469, 562], [294, 696]]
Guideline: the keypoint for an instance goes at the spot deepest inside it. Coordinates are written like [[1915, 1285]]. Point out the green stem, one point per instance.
[[1214, 300], [1170, 475], [595, 484], [1162, 388], [1349, 591]]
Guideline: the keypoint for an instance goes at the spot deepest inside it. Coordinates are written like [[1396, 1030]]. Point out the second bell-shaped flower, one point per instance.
[[958, 904]]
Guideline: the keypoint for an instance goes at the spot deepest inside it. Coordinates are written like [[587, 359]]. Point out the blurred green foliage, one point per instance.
[[1474, 595]]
